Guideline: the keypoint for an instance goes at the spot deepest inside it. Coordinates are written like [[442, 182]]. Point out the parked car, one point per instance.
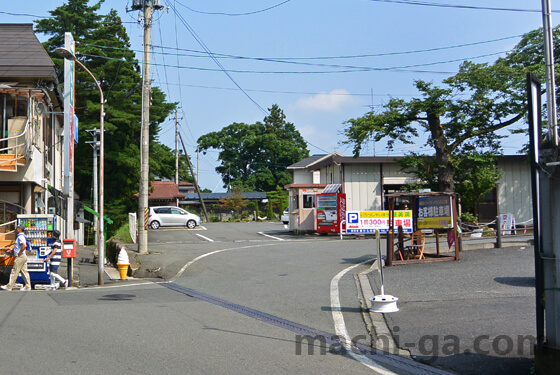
[[168, 216], [285, 216]]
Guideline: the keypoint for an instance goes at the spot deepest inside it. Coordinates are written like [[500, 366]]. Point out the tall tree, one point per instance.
[[462, 119], [256, 156], [104, 48]]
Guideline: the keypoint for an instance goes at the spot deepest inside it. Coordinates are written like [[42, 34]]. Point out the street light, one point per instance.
[[67, 54]]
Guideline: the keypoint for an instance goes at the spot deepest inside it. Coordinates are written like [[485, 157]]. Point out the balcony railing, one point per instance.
[[13, 150]]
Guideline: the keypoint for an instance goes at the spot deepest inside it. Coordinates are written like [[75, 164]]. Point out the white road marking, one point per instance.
[[340, 326], [212, 253], [204, 238], [269, 236]]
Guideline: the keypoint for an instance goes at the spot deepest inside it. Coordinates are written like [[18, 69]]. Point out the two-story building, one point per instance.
[[31, 123]]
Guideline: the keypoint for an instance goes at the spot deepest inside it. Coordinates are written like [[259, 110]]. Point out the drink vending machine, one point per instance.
[[38, 230], [331, 211]]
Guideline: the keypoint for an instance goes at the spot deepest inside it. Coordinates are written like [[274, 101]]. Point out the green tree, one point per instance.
[[278, 198], [462, 119], [104, 47], [257, 155], [235, 201], [476, 175]]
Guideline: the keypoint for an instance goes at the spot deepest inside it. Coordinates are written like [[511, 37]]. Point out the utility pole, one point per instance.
[[147, 7], [545, 165], [195, 181], [95, 145], [176, 148], [197, 155], [549, 71]]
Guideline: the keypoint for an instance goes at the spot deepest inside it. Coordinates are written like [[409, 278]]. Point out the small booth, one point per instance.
[[433, 213]]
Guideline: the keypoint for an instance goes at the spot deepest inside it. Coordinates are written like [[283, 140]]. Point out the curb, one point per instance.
[[380, 334]]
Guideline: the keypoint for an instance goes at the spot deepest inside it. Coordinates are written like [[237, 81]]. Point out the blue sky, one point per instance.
[[316, 98]]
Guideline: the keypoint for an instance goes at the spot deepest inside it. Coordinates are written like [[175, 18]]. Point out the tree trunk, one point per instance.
[[446, 173]]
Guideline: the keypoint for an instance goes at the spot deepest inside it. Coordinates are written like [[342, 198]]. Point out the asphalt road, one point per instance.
[[152, 329], [244, 298]]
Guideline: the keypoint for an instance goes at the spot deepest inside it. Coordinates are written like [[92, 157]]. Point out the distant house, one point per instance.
[[367, 180], [186, 187], [192, 199], [163, 193]]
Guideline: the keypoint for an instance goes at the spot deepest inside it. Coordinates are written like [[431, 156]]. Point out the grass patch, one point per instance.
[[123, 233]]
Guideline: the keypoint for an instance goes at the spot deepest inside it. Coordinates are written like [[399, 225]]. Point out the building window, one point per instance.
[[308, 200]]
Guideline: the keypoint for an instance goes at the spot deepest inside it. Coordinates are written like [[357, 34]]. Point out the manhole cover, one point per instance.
[[117, 297]]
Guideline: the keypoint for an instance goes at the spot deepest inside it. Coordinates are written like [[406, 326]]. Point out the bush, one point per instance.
[[467, 217]]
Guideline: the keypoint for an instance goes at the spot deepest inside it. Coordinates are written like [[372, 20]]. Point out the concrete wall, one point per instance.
[[301, 176]]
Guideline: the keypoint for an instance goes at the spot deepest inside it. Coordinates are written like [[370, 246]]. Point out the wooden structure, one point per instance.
[[416, 251]]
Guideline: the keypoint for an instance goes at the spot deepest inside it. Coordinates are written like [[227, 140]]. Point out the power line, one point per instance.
[[177, 46], [235, 14], [24, 15], [203, 54], [340, 68], [442, 5], [203, 45], [282, 92], [161, 41]]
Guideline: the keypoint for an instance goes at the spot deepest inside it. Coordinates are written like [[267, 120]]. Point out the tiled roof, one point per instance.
[[216, 196], [165, 190], [23, 56]]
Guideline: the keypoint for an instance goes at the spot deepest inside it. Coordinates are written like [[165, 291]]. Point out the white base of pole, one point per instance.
[[384, 303]]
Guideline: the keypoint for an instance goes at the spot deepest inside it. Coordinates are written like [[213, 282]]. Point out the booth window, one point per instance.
[[295, 202], [308, 200]]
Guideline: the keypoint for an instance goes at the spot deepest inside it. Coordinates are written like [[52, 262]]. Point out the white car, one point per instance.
[[285, 216], [169, 216]]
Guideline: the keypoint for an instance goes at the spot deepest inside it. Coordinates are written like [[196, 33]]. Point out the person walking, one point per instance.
[[20, 263], [55, 257]]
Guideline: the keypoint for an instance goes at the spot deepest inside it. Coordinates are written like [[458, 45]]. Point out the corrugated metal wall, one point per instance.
[[514, 191], [362, 185]]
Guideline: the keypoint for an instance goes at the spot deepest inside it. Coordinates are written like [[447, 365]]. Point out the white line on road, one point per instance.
[[204, 238], [340, 325], [212, 253], [269, 236]]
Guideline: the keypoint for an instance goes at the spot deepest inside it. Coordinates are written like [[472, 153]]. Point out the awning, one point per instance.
[[332, 188]]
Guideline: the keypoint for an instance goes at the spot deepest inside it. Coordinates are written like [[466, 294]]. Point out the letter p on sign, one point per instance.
[[69, 248]]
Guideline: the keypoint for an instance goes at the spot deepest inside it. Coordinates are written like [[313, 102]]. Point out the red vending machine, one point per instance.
[[331, 211]]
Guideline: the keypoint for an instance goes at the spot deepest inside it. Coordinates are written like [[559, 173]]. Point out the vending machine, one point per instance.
[[331, 211], [38, 230]]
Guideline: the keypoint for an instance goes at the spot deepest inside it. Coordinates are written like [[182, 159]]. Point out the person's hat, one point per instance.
[[56, 234], [21, 227]]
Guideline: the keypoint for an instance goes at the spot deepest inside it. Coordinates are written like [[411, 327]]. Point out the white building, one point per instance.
[[366, 181]]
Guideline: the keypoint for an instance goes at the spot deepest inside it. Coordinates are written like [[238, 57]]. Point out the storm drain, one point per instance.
[[314, 335]]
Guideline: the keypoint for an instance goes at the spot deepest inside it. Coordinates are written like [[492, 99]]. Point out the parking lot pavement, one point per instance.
[[473, 316]]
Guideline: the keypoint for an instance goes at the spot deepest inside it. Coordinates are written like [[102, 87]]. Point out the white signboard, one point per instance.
[[370, 221]]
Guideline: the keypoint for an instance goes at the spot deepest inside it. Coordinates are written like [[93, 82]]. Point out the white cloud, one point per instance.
[[329, 102]]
